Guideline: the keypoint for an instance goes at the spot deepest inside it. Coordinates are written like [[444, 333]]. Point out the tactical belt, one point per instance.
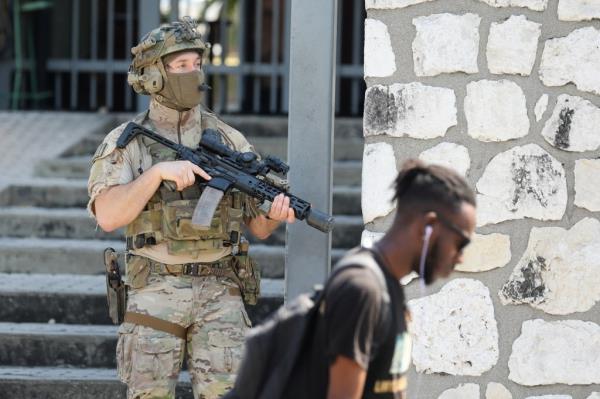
[[145, 320], [221, 268]]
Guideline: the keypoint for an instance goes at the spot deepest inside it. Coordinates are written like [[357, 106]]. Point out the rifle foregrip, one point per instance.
[[320, 220]]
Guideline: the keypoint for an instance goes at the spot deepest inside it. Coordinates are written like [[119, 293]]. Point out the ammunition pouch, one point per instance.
[[170, 221], [116, 290]]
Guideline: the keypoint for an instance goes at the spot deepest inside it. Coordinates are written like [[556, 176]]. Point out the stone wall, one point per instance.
[[508, 93]]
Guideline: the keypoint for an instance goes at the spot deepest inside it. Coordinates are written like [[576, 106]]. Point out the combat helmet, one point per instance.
[[147, 73]]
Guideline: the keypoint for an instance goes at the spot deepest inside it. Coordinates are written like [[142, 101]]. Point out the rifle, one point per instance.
[[232, 169]]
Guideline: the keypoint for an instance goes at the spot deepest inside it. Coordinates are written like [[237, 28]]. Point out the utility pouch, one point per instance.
[[116, 290], [247, 272], [137, 271]]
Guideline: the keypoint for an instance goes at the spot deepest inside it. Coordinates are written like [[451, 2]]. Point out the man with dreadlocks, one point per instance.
[[185, 285], [359, 346]]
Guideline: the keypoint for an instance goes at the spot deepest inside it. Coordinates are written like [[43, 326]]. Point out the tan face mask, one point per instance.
[[181, 90]]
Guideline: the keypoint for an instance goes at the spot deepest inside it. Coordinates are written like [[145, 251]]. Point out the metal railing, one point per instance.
[[249, 61]]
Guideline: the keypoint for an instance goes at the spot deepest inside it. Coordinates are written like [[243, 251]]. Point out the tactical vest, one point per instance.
[[167, 215]]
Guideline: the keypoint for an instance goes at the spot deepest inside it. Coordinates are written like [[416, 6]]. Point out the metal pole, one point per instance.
[[256, 81], [148, 19], [310, 136], [128, 45], [174, 10], [110, 50], [285, 90], [74, 55], [94, 55], [275, 24]]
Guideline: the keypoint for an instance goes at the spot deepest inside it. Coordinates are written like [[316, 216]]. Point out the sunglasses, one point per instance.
[[465, 240]]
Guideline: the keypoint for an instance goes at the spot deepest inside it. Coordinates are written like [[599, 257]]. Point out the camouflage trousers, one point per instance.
[[149, 361]]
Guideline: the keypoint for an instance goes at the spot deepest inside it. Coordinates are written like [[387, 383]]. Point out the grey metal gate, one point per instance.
[[249, 68]]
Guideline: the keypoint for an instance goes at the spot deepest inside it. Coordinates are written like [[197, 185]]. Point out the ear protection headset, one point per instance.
[[146, 80], [150, 81]]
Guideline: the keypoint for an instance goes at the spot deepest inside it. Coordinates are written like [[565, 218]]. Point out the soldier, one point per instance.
[[185, 285]]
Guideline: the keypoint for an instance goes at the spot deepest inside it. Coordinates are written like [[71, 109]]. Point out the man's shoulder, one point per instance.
[[109, 143], [236, 137], [115, 133], [355, 279]]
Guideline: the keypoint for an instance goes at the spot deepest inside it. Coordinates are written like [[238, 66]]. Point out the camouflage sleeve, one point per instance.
[[251, 208], [110, 167]]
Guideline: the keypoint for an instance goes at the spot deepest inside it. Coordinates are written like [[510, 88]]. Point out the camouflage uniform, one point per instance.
[[210, 307]]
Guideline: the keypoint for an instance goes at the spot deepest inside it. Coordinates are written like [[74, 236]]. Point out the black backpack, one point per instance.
[[273, 348]]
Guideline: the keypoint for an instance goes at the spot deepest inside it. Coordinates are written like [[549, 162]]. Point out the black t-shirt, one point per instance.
[[360, 323]]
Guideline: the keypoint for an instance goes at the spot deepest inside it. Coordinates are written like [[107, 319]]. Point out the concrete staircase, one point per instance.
[[56, 340]]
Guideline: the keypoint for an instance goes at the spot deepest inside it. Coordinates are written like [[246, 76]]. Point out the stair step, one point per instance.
[[277, 126], [51, 223], [345, 173], [344, 148], [34, 255], [70, 383], [67, 193], [75, 223], [77, 167], [252, 126], [81, 299], [37, 344]]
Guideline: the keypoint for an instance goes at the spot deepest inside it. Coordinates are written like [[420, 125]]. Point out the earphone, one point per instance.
[[426, 237], [428, 231]]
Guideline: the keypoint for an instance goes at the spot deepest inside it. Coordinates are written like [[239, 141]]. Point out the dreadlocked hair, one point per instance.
[[430, 187]]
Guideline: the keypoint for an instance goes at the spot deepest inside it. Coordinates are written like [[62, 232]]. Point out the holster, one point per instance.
[[116, 290], [247, 273]]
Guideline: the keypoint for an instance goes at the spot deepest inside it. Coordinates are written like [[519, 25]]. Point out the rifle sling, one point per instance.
[[156, 323]]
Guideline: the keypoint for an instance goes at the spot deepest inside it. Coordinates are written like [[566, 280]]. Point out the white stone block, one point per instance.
[[450, 155], [446, 43], [496, 110], [558, 352], [391, 4], [368, 238], [486, 252], [574, 58], [463, 391], [540, 107], [524, 181], [594, 395], [412, 110], [455, 331], [558, 272], [496, 390], [574, 124], [587, 184], [379, 55], [578, 10], [536, 5], [550, 397], [512, 46], [378, 176]]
